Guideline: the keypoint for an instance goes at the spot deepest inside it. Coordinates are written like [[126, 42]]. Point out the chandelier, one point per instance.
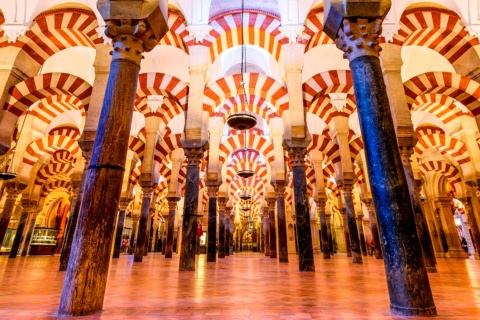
[[9, 175]]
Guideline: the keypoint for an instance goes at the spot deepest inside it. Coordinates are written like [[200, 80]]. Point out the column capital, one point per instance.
[[359, 216], [172, 203], [14, 189], [195, 155], [321, 203], [148, 190], [123, 204], [30, 206], [368, 203], [347, 189], [296, 154], [279, 187], [222, 202], [359, 38], [406, 153], [212, 190], [271, 203], [265, 212]]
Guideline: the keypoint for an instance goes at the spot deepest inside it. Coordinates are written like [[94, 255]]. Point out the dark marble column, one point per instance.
[[407, 280], [212, 223], [222, 247], [122, 208], [29, 209], [305, 247], [467, 202], [420, 221], [133, 239], [13, 190], [87, 272], [441, 232], [321, 202], [189, 223], [374, 227], [351, 223], [266, 230], [361, 234], [328, 223], [343, 213], [28, 236], [143, 234], [231, 230], [78, 190], [279, 187], [272, 229], [149, 233], [172, 208]]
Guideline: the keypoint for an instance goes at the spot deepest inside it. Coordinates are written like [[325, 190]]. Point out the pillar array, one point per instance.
[[13, 190], [29, 209]]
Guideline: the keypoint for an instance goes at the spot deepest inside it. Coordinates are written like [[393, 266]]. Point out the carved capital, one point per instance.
[[124, 202], [343, 212], [359, 38], [14, 189], [31, 207], [368, 203], [406, 155], [297, 155], [279, 188], [212, 190], [321, 203], [271, 203], [148, 191], [222, 202], [194, 155], [347, 190], [359, 217], [172, 203], [265, 212]]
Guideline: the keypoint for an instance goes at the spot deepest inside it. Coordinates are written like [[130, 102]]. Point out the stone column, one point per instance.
[[29, 209], [343, 213], [361, 234], [321, 202], [75, 207], [87, 272], [272, 229], [149, 234], [448, 225], [467, 202], [228, 226], [28, 236], [328, 223], [279, 187], [212, 223], [420, 222], [13, 190], [232, 225], [302, 216], [189, 223], [124, 201], [135, 219], [351, 223], [407, 280], [374, 227], [441, 231], [221, 227], [266, 230], [172, 208], [143, 234]]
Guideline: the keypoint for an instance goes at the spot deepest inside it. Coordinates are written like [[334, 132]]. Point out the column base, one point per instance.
[[357, 258], [403, 311], [456, 254], [431, 269]]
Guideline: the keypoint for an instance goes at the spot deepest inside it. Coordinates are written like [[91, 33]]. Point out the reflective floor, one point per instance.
[[243, 286]]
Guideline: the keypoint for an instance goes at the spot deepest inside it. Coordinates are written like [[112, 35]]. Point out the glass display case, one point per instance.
[[8, 240], [44, 241]]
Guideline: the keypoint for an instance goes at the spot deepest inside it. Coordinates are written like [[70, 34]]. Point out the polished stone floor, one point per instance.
[[243, 286]]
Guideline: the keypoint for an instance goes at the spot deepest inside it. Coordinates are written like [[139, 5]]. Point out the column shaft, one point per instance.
[[323, 229], [361, 234], [28, 237], [212, 229], [120, 224], [282, 222], [221, 228], [472, 222], [142, 234], [20, 229], [271, 225], [172, 208], [13, 190], [352, 225], [343, 213], [374, 227]]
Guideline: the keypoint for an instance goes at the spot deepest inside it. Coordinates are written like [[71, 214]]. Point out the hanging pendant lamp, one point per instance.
[[245, 173], [9, 175], [243, 120]]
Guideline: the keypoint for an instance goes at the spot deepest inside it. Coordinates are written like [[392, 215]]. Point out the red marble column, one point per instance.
[[279, 187], [172, 208], [122, 208], [13, 190], [143, 235], [29, 209], [86, 278]]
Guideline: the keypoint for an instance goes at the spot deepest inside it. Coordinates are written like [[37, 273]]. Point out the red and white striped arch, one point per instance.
[[325, 83], [52, 169], [355, 145], [26, 93], [51, 107], [56, 30], [439, 105], [162, 84], [65, 131], [323, 108], [259, 30], [359, 175], [62, 156], [256, 105], [177, 34], [49, 144], [165, 145], [133, 179], [453, 174], [137, 145], [259, 170], [64, 185], [461, 88], [249, 184], [255, 141], [332, 186], [445, 144], [313, 33], [255, 84], [250, 155], [438, 29], [325, 145], [426, 130], [169, 109], [2, 21], [311, 180], [328, 170]]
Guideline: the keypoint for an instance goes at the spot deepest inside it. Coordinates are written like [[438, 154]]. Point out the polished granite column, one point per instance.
[[302, 216], [122, 208], [351, 223], [420, 221], [28, 236], [75, 206], [222, 202], [133, 239], [361, 234], [86, 278], [343, 213], [407, 279], [279, 187], [189, 223], [271, 227], [172, 209], [266, 230], [374, 227], [321, 202], [212, 223], [142, 235], [29, 208], [13, 190]]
